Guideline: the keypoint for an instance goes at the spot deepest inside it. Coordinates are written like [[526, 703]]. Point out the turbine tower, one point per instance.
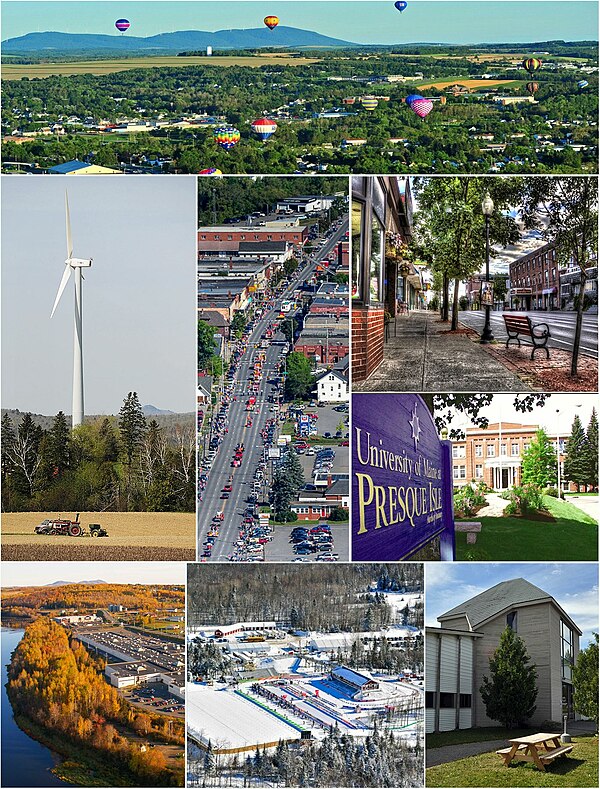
[[74, 265]]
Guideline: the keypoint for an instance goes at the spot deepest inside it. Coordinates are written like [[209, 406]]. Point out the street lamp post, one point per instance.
[[487, 207], [558, 452]]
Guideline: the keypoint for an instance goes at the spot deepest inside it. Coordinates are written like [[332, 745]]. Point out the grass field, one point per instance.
[[147, 536], [41, 70], [573, 536], [468, 83], [579, 768]]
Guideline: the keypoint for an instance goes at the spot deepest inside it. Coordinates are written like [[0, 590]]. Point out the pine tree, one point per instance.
[[591, 452], [293, 468], [108, 444], [509, 694], [8, 442], [58, 446], [132, 425], [538, 466], [575, 457]]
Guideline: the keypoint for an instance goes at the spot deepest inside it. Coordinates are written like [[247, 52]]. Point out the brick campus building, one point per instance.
[[380, 204], [494, 454]]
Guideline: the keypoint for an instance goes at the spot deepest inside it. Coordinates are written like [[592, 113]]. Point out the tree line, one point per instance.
[[54, 682], [123, 463]]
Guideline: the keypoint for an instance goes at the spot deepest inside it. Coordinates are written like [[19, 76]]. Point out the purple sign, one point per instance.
[[401, 480]]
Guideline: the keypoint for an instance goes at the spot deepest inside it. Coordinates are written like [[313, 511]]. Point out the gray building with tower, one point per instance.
[[457, 654]]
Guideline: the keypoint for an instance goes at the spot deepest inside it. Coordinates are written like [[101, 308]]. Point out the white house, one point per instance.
[[333, 386]]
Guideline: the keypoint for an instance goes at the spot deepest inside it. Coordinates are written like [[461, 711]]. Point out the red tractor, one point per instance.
[[67, 528]]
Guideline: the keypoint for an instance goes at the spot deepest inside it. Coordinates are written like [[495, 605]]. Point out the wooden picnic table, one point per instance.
[[541, 749]]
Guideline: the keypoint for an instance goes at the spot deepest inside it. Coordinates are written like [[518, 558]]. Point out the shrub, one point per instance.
[[467, 500], [339, 514], [525, 499], [551, 492], [463, 303]]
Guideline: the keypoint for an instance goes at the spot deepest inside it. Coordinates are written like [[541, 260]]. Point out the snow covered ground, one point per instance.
[[230, 721]]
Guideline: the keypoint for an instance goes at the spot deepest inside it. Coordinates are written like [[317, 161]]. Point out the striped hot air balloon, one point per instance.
[[211, 171], [122, 25], [421, 107], [531, 64], [369, 103], [532, 87], [227, 136], [271, 21], [264, 128], [583, 83]]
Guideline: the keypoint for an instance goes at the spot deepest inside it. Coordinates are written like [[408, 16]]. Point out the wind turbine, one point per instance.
[[74, 265]]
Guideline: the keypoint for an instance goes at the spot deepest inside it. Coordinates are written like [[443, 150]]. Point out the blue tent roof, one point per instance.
[[68, 167]]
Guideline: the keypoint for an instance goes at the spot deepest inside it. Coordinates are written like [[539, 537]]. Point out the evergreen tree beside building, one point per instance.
[[576, 456]]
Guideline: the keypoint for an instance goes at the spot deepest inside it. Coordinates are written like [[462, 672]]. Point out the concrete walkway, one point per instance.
[[421, 356], [494, 508], [588, 504], [451, 753]]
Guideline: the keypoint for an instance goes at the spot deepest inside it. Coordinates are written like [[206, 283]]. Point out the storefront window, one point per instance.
[[377, 260], [358, 210]]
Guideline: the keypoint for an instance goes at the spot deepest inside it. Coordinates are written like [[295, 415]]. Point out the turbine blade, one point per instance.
[[62, 286], [68, 217]]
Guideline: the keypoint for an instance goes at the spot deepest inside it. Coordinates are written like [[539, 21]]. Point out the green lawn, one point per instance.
[[572, 537], [579, 768]]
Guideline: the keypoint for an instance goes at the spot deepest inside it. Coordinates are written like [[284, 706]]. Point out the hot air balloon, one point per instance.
[[421, 107], [227, 136], [401, 5], [271, 21], [211, 171], [532, 87], [409, 99], [122, 25], [531, 64], [583, 83], [264, 128], [349, 100], [369, 103]]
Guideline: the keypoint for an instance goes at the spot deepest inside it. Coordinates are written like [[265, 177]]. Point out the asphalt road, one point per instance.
[[242, 477], [562, 328]]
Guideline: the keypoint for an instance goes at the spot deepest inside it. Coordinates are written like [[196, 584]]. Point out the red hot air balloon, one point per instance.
[[271, 21], [122, 25], [421, 107], [264, 128], [211, 171]]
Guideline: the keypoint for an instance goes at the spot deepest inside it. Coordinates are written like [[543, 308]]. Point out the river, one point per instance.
[[25, 762]]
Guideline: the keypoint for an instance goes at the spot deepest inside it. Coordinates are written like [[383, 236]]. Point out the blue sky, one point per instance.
[[573, 585], [43, 573], [375, 21]]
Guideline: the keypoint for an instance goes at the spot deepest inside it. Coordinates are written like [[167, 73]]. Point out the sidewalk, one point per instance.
[[418, 359]]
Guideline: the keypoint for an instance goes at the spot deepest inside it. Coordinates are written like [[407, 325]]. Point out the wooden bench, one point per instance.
[[549, 756], [472, 528], [521, 325]]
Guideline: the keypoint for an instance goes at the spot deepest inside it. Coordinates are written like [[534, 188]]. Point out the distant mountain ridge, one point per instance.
[[163, 417], [169, 43], [82, 583]]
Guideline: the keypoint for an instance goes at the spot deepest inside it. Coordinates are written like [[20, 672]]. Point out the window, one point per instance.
[[566, 651], [503, 449], [458, 451], [377, 260], [491, 450], [465, 701], [429, 699], [357, 227], [511, 620], [514, 450], [479, 471], [525, 447], [478, 451], [447, 700]]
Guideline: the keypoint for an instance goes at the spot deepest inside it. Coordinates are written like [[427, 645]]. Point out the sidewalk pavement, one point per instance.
[[495, 506], [589, 504], [418, 359]]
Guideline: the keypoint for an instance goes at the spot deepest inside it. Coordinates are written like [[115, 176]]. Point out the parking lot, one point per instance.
[[280, 549], [155, 697], [341, 462]]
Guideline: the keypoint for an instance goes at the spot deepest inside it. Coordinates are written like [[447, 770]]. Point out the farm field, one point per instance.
[[140, 536], [98, 67]]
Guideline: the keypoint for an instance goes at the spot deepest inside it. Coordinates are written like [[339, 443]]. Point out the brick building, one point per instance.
[[229, 237], [494, 454], [535, 280], [379, 205]]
